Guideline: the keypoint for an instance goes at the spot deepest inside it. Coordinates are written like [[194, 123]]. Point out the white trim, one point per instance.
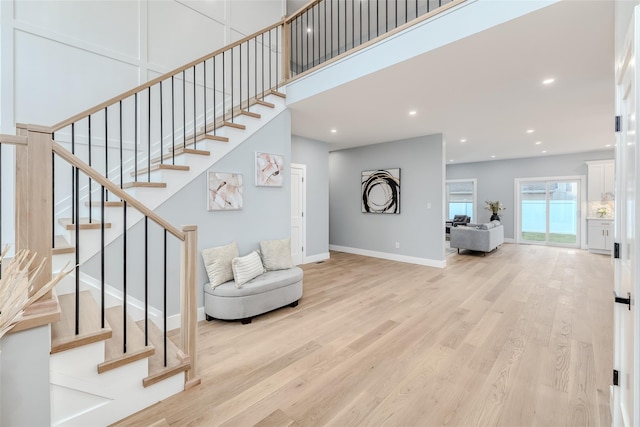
[[303, 169], [391, 257], [509, 240], [316, 258]]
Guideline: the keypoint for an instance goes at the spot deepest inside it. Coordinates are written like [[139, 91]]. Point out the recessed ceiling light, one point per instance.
[[413, 112], [308, 30], [334, 130], [530, 130], [538, 142], [463, 140], [451, 160], [548, 81], [544, 151], [493, 156], [608, 145]]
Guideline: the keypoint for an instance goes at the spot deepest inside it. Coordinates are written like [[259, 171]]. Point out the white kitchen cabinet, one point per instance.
[[600, 180], [600, 235]]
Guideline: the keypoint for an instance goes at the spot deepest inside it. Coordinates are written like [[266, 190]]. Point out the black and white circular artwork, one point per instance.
[[381, 191]]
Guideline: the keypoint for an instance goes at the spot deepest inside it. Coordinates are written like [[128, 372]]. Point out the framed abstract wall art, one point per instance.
[[381, 191], [269, 170], [224, 191]]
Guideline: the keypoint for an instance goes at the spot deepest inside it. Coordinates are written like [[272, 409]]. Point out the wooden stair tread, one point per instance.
[[61, 246], [265, 103], [63, 335], [157, 370], [276, 93], [160, 423], [107, 204], [140, 184], [234, 125], [114, 354], [68, 224], [162, 166], [250, 114], [216, 138]]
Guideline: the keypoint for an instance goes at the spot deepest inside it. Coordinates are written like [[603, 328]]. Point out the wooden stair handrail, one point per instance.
[[13, 139], [123, 96], [114, 189]]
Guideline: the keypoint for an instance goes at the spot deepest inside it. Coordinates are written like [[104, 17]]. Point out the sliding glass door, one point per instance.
[[549, 212]]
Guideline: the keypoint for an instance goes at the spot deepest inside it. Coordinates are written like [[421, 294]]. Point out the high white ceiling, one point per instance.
[[488, 90]]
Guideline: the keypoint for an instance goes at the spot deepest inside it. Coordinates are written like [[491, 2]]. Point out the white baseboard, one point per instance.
[[392, 257], [316, 258]]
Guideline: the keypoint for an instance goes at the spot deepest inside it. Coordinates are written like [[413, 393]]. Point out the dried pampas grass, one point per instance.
[[16, 283]]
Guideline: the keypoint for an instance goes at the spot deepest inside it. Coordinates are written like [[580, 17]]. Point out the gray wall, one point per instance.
[[266, 215], [419, 229], [496, 178], [315, 155]]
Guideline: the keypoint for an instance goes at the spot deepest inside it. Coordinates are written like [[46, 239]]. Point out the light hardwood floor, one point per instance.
[[521, 337]]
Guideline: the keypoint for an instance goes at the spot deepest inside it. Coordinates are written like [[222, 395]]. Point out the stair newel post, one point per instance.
[[34, 198], [189, 301], [285, 50]]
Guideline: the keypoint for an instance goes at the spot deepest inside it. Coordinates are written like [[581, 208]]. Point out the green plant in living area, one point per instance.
[[494, 207]]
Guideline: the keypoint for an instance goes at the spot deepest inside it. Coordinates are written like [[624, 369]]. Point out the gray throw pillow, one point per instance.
[[217, 262], [276, 254]]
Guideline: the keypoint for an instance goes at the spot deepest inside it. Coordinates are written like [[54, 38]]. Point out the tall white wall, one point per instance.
[[58, 58]]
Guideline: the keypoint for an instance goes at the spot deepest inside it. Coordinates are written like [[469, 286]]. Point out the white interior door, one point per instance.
[[626, 351], [298, 201]]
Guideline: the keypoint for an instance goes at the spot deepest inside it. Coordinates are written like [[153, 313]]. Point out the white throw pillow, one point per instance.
[[217, 262], [246, 268], [276, 254]]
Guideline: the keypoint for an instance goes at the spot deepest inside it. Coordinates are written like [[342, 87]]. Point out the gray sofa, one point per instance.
[[477, 237], [268, 291]]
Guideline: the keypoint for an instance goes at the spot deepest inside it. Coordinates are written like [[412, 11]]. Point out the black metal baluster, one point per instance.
[[184, 110], [240, 75], [377, 18], [135, 138], [164, 299], [255, 67], [396, 3], [146, 280], [406, 11], [204, 94], [278, 59], [124, 275], [194, 108], [149, 134], [224, 87], [77, 237], [325, 30], [270, 47], [313, 37], [106, 146], [353, 25], [102, 248], [338, 25], [161, 127], [360, 19], [248, 76], [331, 20], [232, 87], [121, 147], [53, 200], [215, 117], [262, 50], [73, 174], [90, 216], [386, 13], [173, 123]]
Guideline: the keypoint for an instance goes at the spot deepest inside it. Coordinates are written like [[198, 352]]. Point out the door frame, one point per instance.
[[582, 206], [303, 169]]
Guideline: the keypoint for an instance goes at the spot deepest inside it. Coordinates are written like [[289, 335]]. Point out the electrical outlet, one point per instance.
[[397, 245]]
